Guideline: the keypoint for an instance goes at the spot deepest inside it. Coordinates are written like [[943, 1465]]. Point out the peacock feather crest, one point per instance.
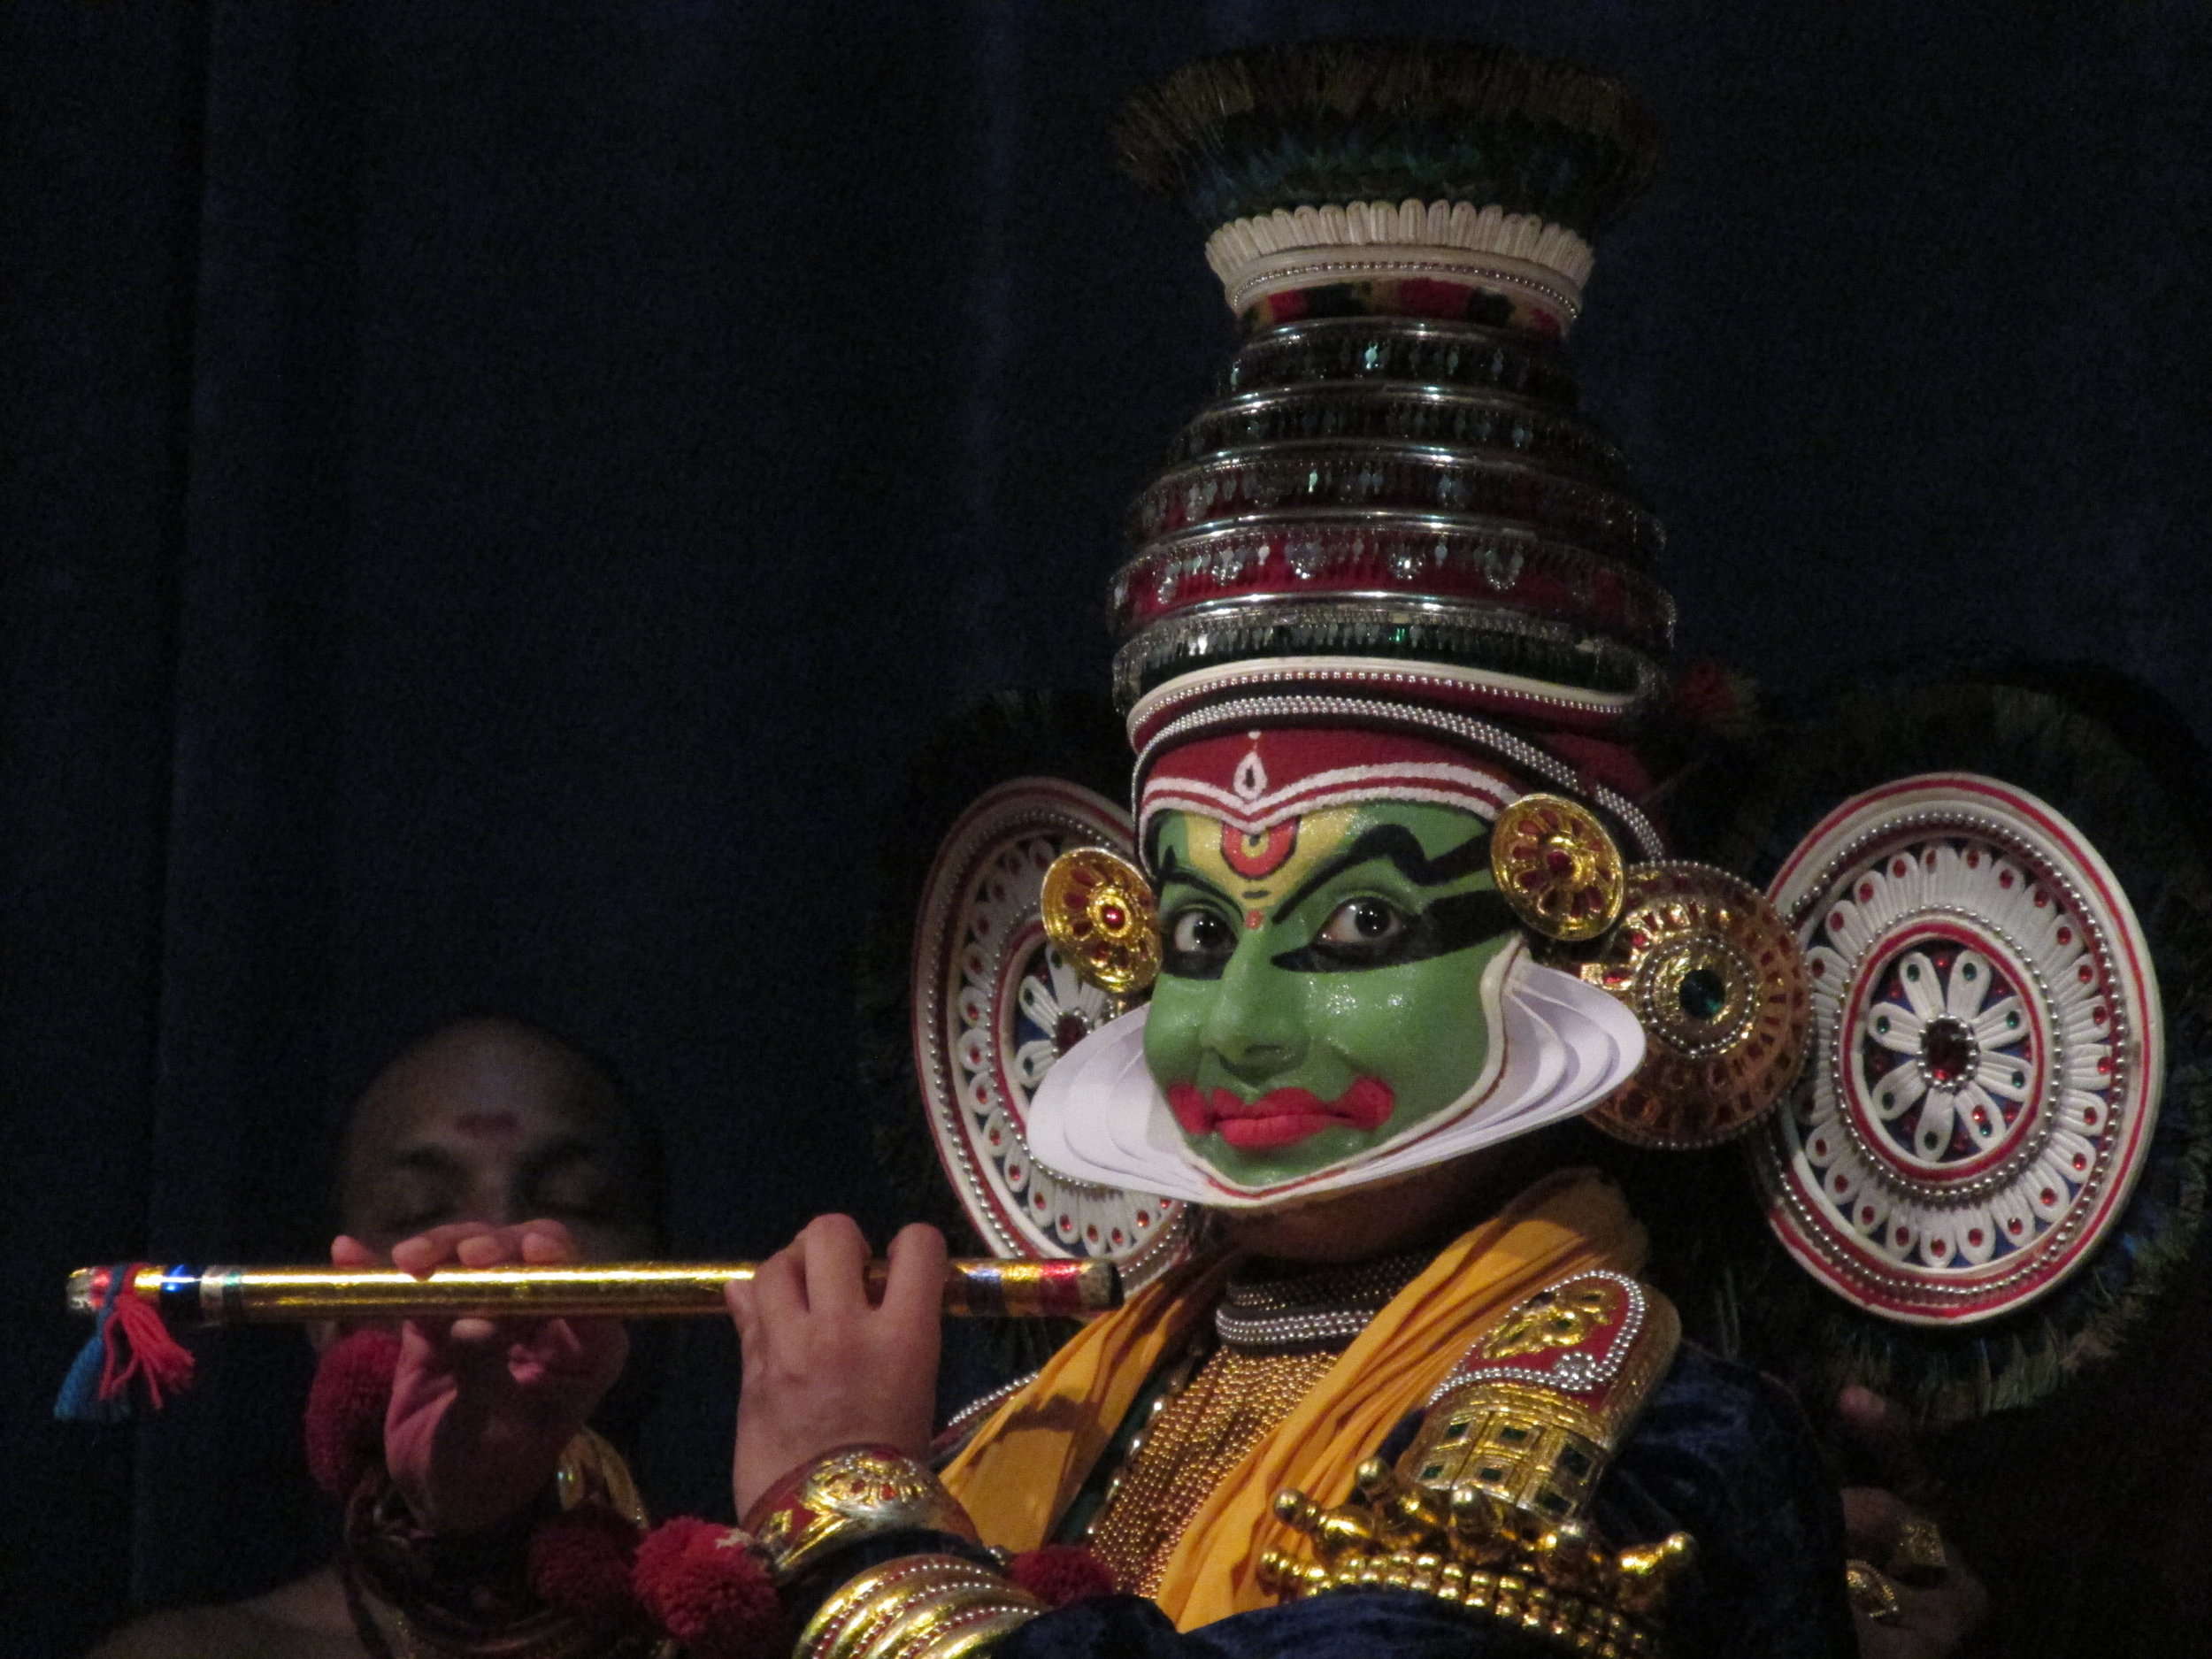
[[1285, 127]]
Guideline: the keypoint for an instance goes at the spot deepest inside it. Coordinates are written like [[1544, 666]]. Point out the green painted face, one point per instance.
[[1322, 988]]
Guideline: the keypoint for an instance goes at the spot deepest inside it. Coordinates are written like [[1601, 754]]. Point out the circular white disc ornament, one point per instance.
[[1986, 1054], [995, 1006]]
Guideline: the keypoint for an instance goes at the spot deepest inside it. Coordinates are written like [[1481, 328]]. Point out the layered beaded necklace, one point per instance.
[[1276, 1334], [1279, 1312]]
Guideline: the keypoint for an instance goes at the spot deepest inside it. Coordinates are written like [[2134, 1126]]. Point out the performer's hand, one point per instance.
[[482, 1408], [824, 1369], [1939, 1601]]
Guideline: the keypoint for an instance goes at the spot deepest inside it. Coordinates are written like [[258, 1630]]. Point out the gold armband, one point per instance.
[[1490, 1505], [844, 1496], [918, 1607]]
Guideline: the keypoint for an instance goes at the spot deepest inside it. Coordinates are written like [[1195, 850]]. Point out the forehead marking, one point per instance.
[[1254, 856], [1250, 778], [1286, 856]]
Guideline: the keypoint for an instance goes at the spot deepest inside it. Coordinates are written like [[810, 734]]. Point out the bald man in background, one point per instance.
[[488, 1120]]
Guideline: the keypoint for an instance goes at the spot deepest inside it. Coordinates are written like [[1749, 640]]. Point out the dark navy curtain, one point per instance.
[[489, 494]]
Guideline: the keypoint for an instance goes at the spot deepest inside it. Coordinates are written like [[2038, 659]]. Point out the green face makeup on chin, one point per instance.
[[1323, 988]]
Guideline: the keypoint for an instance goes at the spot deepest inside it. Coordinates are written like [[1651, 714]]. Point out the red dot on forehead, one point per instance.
[[1252, 919], [1255, 855]]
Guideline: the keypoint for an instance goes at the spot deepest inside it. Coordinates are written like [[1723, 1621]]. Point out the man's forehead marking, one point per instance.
[[481, 1122]]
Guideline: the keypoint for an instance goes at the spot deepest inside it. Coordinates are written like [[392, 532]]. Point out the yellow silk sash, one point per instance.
[[1025, 1465]]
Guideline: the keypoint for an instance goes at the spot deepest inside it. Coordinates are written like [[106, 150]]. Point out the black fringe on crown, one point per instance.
[[1340, 121]]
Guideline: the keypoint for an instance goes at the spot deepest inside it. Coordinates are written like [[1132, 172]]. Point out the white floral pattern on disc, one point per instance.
[[1987, 1051], [994, 1007], [1947, 1050], [1057, 1011]]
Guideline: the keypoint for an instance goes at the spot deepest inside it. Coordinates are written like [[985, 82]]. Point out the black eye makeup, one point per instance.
[[1365, 930], [1368, 931], [1362, 927], [1198, 941]]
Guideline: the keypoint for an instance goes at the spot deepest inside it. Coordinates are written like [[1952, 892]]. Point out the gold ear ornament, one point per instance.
[[1100, 914], [1558, 868], [1715, 977]]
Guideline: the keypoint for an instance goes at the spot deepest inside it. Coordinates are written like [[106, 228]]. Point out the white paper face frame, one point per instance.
[[1100, 1117]]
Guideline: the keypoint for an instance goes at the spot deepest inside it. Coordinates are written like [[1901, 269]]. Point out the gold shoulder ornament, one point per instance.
[[1490, 1506]]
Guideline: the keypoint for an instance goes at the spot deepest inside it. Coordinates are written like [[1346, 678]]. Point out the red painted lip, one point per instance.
[[1281, 1116]]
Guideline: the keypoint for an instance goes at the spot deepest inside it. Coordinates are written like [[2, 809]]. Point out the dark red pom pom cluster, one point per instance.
[[688, 1579], [345, 1410], [694, 1580], [1060, 1573], [580, 1562], [1705, 693], [698, 1582]]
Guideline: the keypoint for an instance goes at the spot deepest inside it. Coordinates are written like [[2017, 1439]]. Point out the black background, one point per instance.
[[491, 493]]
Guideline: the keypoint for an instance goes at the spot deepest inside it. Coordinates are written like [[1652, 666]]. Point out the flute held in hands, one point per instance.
[[623, 1290]]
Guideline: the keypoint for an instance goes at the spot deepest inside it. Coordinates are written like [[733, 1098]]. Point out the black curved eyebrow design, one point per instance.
[[1171, 869], [1452, 923], [1395, 843]]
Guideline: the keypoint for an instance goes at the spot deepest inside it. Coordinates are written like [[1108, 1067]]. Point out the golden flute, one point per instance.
[[622, 1290]]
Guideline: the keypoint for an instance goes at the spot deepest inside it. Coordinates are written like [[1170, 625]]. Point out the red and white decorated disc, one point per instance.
[[1986, 1055], [995, 1006]]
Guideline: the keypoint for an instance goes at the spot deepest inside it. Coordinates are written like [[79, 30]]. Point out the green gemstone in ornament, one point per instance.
[[1703, 993]]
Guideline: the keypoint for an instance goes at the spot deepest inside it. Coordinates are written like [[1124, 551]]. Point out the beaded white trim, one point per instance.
[[1517, 751], [1412, 223], [1570, 1369], [1513, 249], [1259, 1317], [964, 1420], [1291, 1330], [1394, 675]]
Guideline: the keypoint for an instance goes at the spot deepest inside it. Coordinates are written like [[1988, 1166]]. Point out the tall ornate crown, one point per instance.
[[1394, 514]]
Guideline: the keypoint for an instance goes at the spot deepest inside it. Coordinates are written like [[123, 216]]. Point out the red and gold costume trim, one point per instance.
[[1028, 1463]]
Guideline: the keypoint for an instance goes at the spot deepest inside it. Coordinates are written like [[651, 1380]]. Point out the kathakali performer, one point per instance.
[[1397, 905]]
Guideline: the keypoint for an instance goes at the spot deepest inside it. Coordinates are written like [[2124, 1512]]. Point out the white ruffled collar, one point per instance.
[[1099, 1115]]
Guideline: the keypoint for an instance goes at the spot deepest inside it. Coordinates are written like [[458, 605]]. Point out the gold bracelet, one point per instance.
[[1597, 1624], [918, 1607], [852, 1493]]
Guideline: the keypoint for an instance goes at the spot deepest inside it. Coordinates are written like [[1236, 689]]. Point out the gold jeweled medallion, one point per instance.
[[1099, 911], [1715, 977], [1556, 866]]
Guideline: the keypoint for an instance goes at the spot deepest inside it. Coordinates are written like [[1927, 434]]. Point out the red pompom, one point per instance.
[[579, 1563], [1706, 694], [1060, 1573], [700, 1585], [345, 1409]]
